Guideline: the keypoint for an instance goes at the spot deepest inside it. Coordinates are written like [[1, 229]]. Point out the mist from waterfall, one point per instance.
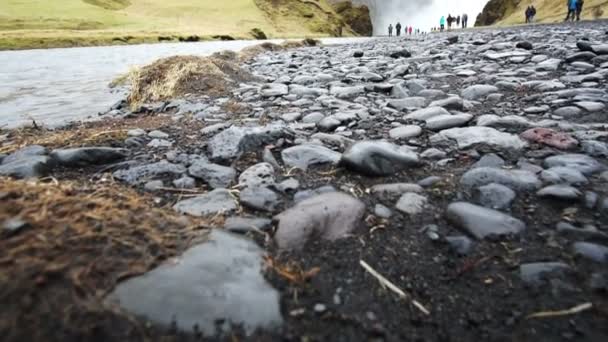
[[422, 14]]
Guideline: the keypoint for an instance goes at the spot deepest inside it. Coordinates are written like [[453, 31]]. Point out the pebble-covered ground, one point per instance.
[[450, 187]]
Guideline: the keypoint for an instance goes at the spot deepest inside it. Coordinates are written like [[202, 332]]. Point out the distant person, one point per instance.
[[528, 13], [465, 20], [410, 30], [398, 28], [579, 9], [457, 21], [450, 19], [571, 9], [390, 30], [533, 12], [442, 23]]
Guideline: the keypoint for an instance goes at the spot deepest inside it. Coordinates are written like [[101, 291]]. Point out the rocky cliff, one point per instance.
[[356, 16], [510, 12]]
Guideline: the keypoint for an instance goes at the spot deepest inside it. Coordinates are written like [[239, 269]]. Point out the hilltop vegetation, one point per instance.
[[49, 23], [511, 12]]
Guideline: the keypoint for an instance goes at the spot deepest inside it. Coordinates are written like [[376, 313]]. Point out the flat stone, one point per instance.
[[140, 173], [495, 196], [412, 203], [508, 121], [34, 166], [304, 156], [405, 132], [442, 122], [591, 106], [329, 216], [347, 92], [274, 89], [433, 153], [482, 222], [489, 160], [313, 118], [378, 158], [407, 103], [591, 251], [519, 180], [462, 245], [382, 211], [426, 113], [478, 91], [581, 162], [217, 176], [218, 280], [159, 143], [258, 175], [232, 142], [260, 198], [87, 156], [23, 153], [562, 192], [551, 138], [563, 175], [538, 272], [212, 203], [158, 135], [184, 182], [306, 194], [595, 148], [551, 64], [451, 103], [395, 189], [568, 112], [468, 136]]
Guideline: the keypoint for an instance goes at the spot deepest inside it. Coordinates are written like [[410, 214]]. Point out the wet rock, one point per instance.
[[524, 45], [581, 162], [214, 202], [217, 176], [442, 122], [489, 160], [306, 194], [595, 148], [468, 136], [551, 138], [358, 54], [258, 175], [141, 173], [382, 211], [519, 180], [87, 156], [482, 222], [478, 91], [495, 196], [462, 245], [429, 181], [563, 175], [378, 158], [561, 192], [591, 251], [260, 198], [405, 132], [34, 166], [537, 273], [304, 156], [401, 54], [412, 203], [233, 141], [330, 216], [580, 56], [218, 280]]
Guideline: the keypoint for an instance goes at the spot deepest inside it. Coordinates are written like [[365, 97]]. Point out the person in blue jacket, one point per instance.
[[442, 23], [571, 9]]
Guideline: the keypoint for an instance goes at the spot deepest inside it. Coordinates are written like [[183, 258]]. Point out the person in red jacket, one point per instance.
[[410, 30]]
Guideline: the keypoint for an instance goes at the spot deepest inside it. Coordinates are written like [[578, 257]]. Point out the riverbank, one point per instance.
[[447, 187]]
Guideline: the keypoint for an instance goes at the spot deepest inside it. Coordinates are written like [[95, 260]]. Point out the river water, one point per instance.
[[56, 86]]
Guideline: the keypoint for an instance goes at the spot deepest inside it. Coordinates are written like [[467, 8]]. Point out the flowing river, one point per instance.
[[57, 86]]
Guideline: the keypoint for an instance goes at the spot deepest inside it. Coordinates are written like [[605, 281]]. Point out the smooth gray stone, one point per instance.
[[347, 92], [580, 56], [489, 160], [568, 112], [232, 142], [258, 175], [28, 151], [247, 224], [426, 113], [482, 222], [217, 176], [562, 192], [429, 181], [478, 91], [313, 118], [508, 121], [469, 136], [306, 194], [451, 103], [538, 272], [289, 185], [462, 245], [495, 196], [411, 203], [220, 279], [274, 89], [563, 175], [518, 180], [329, 216], [304, 156], [395, 189], [158, 135], [184, 182], [87, 156], [407, 103], [551, 64], [581, 162], [211, 203], [442, 122], [595, 148], [433, 153], [405, 132], [328, 124], [260, 198], [141, 173], [34, 166], [154, 185], [591, 251], [378, 158], [382, 211]]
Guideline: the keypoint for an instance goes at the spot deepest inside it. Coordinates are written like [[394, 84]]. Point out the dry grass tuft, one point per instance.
[[80, 240]]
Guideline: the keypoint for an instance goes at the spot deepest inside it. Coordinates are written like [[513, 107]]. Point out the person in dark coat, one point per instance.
[[390, 30], [458, 21], [465, 20], [579, 9], [398, 28]]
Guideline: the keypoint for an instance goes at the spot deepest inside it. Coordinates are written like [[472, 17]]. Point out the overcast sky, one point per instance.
[[423, 14]]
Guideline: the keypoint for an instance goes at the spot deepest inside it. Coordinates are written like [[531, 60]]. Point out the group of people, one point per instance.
[[408, 30], [575, 7], [464, 20], [530, 14]]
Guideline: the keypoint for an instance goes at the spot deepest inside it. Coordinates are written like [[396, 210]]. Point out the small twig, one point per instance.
[[571, 311], [386, 283]]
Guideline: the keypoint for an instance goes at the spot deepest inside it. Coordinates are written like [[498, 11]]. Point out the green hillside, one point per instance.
[[47, 23]]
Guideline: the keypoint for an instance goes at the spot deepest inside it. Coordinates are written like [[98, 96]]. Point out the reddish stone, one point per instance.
[[550, 137]]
